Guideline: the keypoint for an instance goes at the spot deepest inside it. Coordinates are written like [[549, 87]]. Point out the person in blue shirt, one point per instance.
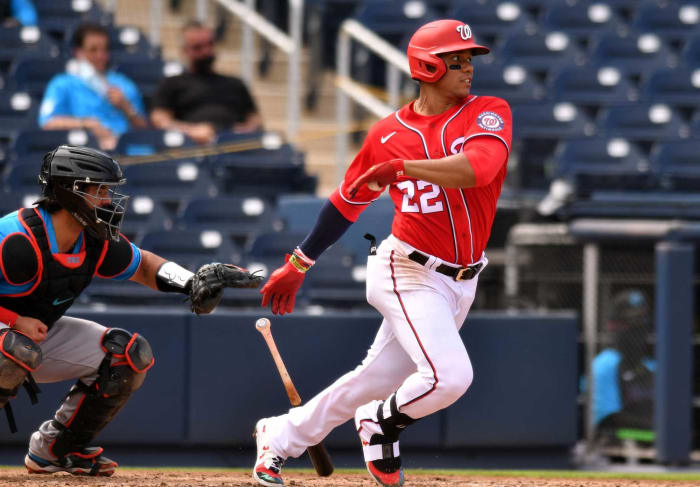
[[22, 12], [48, 255], [623, 372], [91, 96]]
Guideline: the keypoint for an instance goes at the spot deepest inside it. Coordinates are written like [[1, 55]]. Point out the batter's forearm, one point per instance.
[[449, 172]]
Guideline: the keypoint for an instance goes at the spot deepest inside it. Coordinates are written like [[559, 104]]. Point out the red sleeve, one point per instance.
[[351, 208], [494, 119], [487, 155]]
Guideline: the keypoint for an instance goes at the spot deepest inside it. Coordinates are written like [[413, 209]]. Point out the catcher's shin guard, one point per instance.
[[19, 356], [121, 372]]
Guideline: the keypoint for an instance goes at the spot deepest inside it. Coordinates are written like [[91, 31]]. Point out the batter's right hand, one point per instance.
[[33, 328], [282, 289]]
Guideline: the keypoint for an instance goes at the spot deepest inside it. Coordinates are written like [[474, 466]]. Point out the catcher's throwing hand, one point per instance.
[[282, 288], [208, 283], [381, 174]]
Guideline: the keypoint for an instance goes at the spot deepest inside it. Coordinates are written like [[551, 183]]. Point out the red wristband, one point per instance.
[[8, 317]]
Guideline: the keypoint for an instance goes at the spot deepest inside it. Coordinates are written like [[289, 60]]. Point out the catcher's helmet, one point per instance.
[[65, 174], [438, 37]]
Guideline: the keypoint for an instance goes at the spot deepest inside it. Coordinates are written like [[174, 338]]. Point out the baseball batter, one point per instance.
[[443, 158], [48, 255]]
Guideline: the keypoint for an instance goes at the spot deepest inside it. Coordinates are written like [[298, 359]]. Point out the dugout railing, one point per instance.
[[581, 265]]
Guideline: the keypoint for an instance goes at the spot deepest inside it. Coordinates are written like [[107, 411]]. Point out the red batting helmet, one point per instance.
[[435, 38]]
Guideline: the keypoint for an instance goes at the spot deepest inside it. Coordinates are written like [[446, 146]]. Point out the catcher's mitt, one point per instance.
[[209, 281]]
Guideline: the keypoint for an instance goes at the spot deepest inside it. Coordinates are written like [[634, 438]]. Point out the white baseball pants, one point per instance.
[[417, 352]]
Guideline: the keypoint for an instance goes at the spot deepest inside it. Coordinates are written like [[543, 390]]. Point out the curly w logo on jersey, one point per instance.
[[490, 121]]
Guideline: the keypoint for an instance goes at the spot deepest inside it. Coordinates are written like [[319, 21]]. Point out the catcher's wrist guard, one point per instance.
[[173, 278]]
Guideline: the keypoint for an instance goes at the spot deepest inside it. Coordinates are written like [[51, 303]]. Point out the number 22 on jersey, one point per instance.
[[426, 201]]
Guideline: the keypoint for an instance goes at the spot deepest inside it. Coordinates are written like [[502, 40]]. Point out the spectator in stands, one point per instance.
[[13, 12], [623, 373], [91, 96], [201, 102]]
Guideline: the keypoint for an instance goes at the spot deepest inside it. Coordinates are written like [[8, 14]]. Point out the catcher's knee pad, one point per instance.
[[123, 370], [19, 356]]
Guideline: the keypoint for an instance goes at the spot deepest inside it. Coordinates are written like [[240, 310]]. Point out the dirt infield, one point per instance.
[[16, 477]]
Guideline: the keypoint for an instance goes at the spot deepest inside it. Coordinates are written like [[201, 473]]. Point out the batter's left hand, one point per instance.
[[382, 174]]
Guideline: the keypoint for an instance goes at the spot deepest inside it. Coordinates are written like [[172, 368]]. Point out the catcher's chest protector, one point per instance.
[[58, 286]]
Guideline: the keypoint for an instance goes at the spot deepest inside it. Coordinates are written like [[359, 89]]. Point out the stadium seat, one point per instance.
[[490, 21], [511, 82], [674, 21], [633, 54], [58, 17], [540, 52], [32, 73], [18, 111], [144, 214], [695, 124], [298, 213], [11, 201], [263, 172], [33, 144], [191, 248], [586, 85], [581, 20], [375, 220], [691, 52], [23, 181], [551, 120], [603, 163], [678, 87], [678, 164], [20, 40], [274, 245], [392, 21], [240, 218], [642, 122], [150, 141], [171, 182], [337, 284]]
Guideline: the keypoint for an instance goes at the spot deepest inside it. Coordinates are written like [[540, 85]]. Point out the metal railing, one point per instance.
[[290, 44], [347, 89]]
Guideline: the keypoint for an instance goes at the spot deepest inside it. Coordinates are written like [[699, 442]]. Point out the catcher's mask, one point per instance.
[[439, 37], [84, 182]]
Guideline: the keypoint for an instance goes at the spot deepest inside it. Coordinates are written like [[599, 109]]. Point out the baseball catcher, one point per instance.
[[49, 254]]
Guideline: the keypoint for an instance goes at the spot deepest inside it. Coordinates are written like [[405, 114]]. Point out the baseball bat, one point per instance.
[[317, 453]]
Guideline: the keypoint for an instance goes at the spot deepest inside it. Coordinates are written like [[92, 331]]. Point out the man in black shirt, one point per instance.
[[200, 102]]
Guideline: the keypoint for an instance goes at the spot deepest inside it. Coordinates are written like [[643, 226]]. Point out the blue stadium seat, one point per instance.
[[33, 144], [586, 85], [338, 284], [540, 52], [642, 122], [490, 21], [58, 17], [150, 141], [679, 87], [171, 182], [634, 54], [691, 52], [19, 40], [604, 163], [263, 172], [678, 164], [18, 111], [144, 214], [191, 248], [511, 82], [10, 201], [551, 121], [274, 245], [298, 213], [32, 73], [23, 181], [695, 124], [674, 21], [581, 20], [240, 218], [391, 20]]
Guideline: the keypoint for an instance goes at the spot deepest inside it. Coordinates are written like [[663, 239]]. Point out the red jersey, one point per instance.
[[453, 224]]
